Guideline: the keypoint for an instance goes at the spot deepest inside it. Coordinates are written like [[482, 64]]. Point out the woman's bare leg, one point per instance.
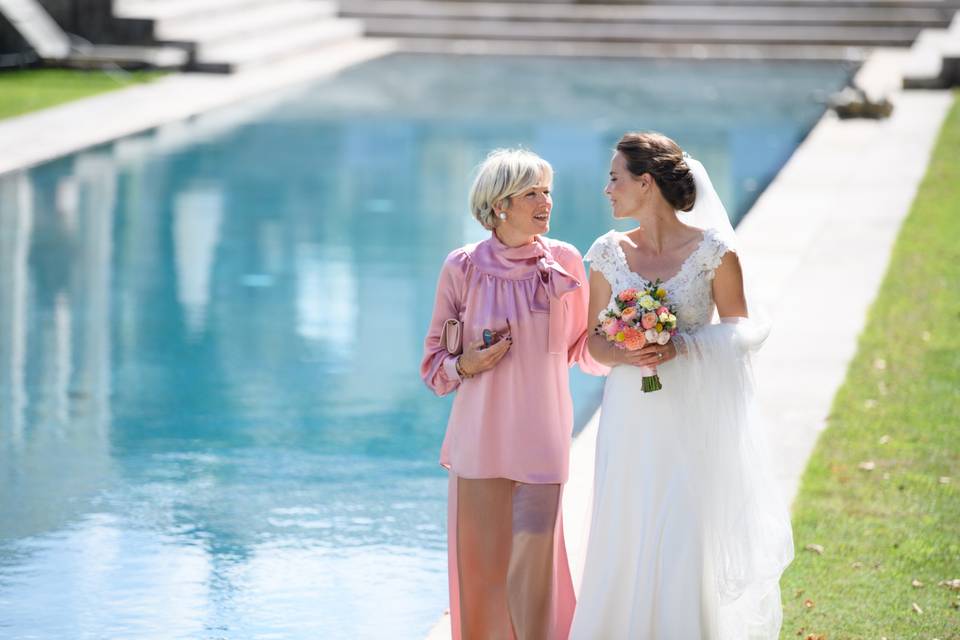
[[484, 538], [530, 577]]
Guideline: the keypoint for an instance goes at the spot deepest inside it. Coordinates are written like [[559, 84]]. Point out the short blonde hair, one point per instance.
[[505, 173]]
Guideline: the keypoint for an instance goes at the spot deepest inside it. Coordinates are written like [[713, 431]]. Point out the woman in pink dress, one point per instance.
[[508, 436]]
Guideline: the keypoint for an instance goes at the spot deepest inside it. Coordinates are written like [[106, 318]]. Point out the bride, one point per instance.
[[688, 537]]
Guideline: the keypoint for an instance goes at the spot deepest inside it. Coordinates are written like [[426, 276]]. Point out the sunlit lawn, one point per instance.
[[22, 91], [882, 491]]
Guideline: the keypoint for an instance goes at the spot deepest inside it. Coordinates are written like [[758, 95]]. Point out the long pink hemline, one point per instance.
[[564, 600]]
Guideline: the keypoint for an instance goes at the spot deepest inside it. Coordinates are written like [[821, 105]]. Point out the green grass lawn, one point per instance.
[[881, 493], [27, 90]]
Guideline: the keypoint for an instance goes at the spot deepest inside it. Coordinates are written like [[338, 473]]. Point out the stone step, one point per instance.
[[755, 52], [127, 57], [934, 61], [175, 9], [229, 55], [396, 27], [653, 13], [243, 21], [913, 4]]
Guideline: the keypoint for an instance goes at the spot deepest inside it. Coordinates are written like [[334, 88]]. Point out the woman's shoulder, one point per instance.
[[457, 263], [460, 257], [603, 246], [713, 248]]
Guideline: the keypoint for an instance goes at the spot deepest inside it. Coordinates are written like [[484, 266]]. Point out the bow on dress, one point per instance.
[[553, 282]]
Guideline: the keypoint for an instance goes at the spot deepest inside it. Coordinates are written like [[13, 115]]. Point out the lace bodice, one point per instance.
[[690, 289]]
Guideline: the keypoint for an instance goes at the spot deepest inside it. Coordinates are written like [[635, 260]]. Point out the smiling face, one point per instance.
[[625, 191], [528, 212]]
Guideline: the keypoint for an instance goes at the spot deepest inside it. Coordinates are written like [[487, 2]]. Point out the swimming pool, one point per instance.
[[211, 423]]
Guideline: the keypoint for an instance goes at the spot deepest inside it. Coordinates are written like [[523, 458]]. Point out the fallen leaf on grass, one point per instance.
[[944, 480], [816, 548], [884, 439], [808, 603], [868, 465], [950, 584], [879, 364], [816, 636], [926, 336], [917, 608], [916, 584], [856, 565], [869, 403], [799, 593]]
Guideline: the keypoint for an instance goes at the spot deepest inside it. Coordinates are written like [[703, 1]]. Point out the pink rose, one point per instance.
[[627, 295], [662, 310], [648, 320], [612, 328], [628, 313]]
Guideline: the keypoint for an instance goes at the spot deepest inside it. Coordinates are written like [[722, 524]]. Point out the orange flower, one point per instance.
[[633, 339]]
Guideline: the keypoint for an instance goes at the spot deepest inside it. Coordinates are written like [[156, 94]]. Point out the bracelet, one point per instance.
[[460, 371]]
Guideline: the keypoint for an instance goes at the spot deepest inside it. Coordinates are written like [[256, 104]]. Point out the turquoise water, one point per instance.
[[211, 422]]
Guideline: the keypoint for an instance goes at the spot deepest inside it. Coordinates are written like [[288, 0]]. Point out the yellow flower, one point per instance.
[[661, 293], [659, 327], [620, 337]]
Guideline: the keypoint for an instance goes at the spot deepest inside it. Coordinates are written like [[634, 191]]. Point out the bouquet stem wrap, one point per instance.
[[651, 381]]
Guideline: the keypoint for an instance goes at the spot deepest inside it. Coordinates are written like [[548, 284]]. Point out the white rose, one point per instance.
[[672, 319], [647, 302], [663, 338], [664, 317], [650, 335]]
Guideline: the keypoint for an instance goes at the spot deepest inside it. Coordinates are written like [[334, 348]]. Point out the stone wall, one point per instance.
[[90, 20], [14, 50], [93, 20]]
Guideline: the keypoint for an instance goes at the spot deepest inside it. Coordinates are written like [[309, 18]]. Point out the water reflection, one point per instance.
[[210, 418]]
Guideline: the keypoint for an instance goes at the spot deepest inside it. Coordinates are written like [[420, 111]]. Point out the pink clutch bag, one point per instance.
[[450, 336]]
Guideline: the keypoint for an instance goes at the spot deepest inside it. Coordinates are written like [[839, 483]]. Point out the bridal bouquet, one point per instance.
[[643, 316]]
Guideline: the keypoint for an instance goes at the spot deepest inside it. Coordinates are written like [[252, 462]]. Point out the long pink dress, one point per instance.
[[516, 420]]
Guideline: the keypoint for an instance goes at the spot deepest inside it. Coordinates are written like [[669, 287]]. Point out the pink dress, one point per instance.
[[516, 420]]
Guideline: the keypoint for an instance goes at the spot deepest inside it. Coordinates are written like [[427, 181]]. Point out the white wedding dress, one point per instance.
[[688, 537]]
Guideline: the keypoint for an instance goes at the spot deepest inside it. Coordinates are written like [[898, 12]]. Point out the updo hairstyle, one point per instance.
[[661, 157]]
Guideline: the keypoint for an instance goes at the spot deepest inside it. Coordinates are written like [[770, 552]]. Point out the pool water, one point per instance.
[[211, 420]]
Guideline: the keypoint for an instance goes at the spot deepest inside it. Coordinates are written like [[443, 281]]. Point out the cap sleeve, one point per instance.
[[603, 256], [714, 248]]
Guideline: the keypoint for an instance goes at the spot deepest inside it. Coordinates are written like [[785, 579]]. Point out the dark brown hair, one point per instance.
[[661, 157]]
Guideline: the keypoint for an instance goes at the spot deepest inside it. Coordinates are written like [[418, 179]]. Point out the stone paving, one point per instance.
[[35, 138]]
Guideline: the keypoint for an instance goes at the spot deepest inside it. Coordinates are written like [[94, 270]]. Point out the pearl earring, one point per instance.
[[502, 215]]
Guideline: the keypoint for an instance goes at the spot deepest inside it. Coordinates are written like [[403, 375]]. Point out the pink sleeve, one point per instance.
[[438, 368], [578, 309]]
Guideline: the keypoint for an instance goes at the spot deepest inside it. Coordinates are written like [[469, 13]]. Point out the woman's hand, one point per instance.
[[650, 355], [477, 359]]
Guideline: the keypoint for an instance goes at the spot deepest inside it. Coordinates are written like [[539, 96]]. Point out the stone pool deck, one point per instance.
[[831, 217], [34, 138]]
